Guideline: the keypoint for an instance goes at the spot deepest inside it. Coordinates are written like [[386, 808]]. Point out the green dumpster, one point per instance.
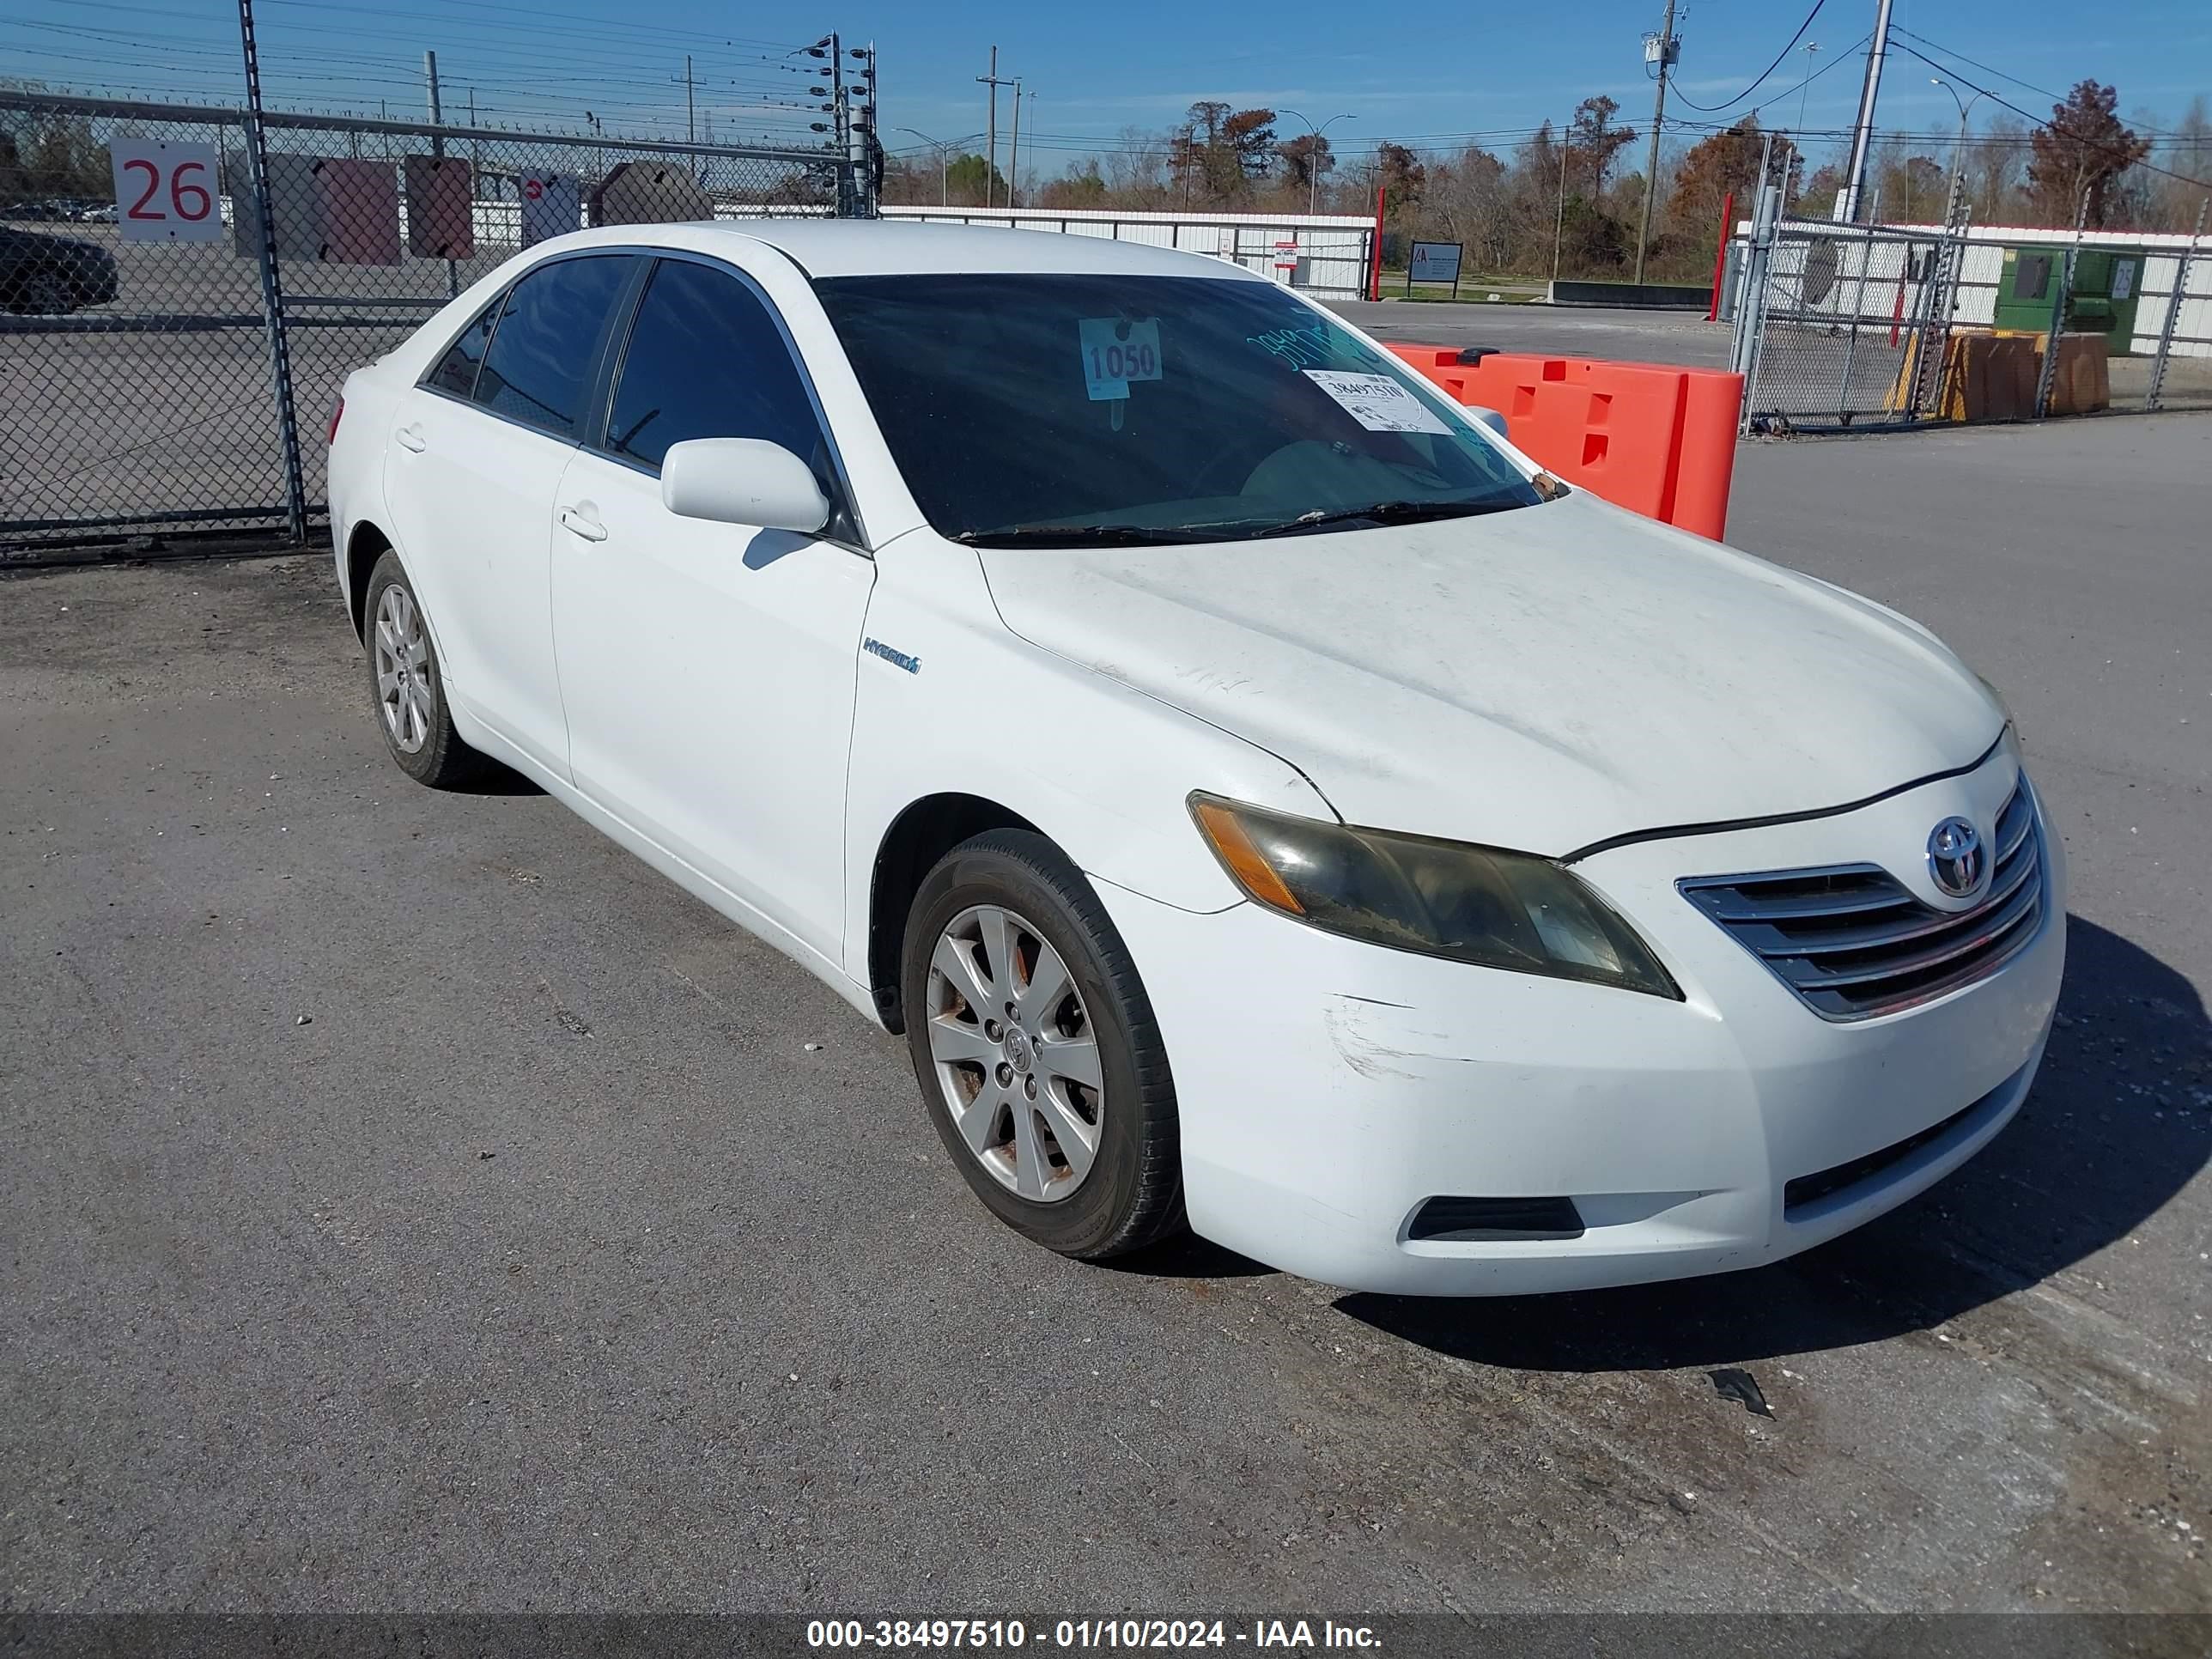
[[2107, 284]]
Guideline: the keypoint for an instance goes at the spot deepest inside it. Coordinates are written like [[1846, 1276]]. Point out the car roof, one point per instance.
[[859, 248]]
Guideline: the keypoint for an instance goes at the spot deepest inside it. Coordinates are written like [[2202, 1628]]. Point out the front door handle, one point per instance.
[[410, 437], [582, 522]]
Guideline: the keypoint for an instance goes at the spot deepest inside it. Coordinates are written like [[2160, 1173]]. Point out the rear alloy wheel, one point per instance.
[[408, 688], [1037, 1051]]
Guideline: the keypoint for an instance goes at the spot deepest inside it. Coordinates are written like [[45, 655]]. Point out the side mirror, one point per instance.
[[1489, 419], [747, 481]]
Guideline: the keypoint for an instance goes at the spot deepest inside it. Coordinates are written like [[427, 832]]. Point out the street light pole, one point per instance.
[[1313, 156], [943, 185], [1959, 149]]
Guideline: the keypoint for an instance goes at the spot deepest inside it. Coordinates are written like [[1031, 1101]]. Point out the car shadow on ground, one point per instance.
[[2118, 1122], [495, 778]]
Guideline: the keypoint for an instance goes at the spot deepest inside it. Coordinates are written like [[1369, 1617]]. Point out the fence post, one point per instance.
[[1720, 255], [1932, 343], [2173, 310], [2060, 299], [272, 287], [1751, 313]]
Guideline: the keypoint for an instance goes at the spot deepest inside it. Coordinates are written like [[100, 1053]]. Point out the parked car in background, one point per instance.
[[44, 275], [1259, 794]]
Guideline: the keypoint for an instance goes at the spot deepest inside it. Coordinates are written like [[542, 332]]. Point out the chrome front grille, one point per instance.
[[1853, 942]]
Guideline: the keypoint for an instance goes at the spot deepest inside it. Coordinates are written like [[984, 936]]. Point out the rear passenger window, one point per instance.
[[457, 370], [539, 365], [706, 360]]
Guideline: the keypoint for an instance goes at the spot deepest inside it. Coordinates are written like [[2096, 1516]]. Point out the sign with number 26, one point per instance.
[[166, 192]]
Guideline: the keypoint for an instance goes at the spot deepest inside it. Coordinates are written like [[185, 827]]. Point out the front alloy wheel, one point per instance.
[[1015, 1061], [1040, 1061]]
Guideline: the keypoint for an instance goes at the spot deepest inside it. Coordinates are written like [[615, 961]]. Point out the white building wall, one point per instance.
[[1332, 251]]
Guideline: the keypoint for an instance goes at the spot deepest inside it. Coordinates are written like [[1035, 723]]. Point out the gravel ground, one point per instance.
[[414, 1202]]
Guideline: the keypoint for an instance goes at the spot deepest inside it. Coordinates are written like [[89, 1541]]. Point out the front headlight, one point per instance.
[[1441, 898]]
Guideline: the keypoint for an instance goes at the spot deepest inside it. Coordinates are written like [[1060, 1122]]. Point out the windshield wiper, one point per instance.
[[1085, 535], [1385, 512]]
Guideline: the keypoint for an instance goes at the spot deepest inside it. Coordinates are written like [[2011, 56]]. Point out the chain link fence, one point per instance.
[[1842, 328], [146, 376]]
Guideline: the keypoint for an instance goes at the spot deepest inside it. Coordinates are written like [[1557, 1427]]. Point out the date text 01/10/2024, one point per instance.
[[1297, 1634]]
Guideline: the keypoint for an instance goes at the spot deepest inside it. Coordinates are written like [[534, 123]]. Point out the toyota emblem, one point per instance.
[[1956, 858]]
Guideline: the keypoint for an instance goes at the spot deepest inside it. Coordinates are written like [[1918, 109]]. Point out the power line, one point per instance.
[[2030, 86], [2071, 137], [1712, 109], [594, 26]]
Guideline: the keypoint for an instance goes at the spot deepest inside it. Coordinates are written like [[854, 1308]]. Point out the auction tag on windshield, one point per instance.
[[1377, 402], [1117, 350]]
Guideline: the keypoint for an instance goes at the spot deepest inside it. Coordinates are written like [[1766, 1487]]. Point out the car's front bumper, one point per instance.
[[1328, 1088]]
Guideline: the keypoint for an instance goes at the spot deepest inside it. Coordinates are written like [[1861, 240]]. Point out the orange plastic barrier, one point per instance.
[[1656, 440]]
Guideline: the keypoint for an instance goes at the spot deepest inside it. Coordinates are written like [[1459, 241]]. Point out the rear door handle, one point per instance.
[[410, 437], [582, 524]]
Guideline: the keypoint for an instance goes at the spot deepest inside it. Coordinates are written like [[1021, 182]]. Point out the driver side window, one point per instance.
[[707, 360]]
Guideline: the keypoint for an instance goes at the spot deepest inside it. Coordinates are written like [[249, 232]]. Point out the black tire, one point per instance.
[[442, 761], [1131, 1195], [47, 293]]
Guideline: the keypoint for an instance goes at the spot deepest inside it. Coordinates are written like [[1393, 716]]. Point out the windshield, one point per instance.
[[1068, 411]]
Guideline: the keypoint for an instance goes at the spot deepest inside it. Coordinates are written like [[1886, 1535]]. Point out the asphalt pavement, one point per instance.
[[412, 1202]]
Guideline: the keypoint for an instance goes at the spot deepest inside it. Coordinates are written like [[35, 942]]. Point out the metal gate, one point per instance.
[[147, 386], [1840, 327]]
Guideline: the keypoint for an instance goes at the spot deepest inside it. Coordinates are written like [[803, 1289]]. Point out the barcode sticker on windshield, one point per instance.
[[1377, 402], [1117, 350]]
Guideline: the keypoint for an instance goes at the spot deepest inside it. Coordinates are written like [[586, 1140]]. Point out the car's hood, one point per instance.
[[1541, 678]]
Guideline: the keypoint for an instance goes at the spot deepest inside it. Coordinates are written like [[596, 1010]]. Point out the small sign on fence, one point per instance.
[[552, 206], [165, 191]]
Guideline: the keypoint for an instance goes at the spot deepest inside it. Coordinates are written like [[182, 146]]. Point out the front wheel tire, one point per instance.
[[1034, 1043]]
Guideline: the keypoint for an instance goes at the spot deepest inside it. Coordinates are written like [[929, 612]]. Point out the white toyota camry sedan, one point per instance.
[[1261, 797]]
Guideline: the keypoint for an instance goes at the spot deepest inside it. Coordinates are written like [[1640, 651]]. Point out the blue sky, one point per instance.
[[1425, 77]]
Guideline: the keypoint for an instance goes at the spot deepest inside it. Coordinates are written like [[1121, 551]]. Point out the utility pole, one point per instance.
[[1559, 223], [991, 161], [438, 148], [1667, 49], [1014, 170], [1847, 200], [690, 114]]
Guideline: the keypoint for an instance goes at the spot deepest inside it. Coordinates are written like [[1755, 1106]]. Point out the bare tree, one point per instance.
[[1997, 164]]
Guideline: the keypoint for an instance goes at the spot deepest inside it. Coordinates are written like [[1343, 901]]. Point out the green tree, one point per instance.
[[968, 178]]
